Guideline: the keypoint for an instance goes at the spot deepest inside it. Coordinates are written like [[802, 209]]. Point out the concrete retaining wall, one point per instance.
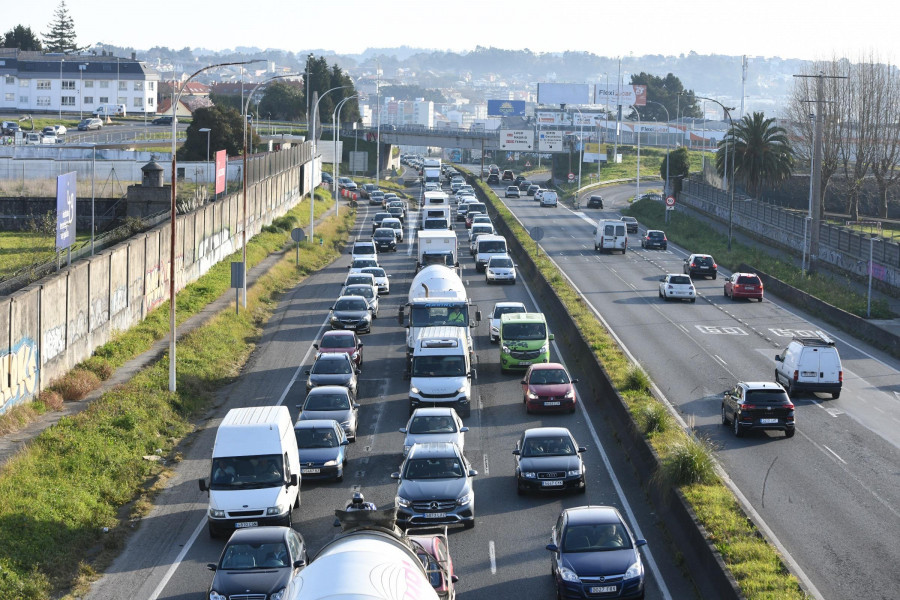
[[57, 322]]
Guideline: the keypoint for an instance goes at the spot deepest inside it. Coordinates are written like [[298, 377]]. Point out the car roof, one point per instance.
[[346, 297], [583, 515], [433, 449], [526, 317], [329, 389], [546, 432], [702, 255], [546, 366], [332, 356], [313, 423], [258, 535], [509, 304], [499, 256], [337, 332], [432, 411], [761, 385]]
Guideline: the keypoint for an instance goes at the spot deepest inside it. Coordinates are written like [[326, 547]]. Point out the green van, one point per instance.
[[524, 340]]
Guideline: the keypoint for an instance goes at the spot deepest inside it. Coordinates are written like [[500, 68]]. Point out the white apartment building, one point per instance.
[[35, 82]]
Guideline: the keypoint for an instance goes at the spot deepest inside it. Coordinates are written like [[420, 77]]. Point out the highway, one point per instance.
[[503, 557], [831, 493]]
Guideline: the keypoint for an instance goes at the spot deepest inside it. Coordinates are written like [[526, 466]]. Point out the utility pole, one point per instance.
[[378, 123], [618, 111], [743, 81]]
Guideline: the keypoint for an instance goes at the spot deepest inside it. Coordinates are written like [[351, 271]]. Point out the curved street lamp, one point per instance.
[[666, 191], [312, 191], [725, 167], [335, 115]]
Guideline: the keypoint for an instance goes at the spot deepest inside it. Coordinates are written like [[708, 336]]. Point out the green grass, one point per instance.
[[21, 249], [89, 472], [689, 232], [686, 462]]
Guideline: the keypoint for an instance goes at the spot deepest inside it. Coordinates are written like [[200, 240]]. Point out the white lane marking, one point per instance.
[[493, 556], [716, 330], [612, 475], [835, 454], [177, 562], [681, 327], [487, 468], [721, 360]]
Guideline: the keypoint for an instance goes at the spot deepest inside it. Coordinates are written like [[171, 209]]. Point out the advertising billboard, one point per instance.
[[628, 95], [65, 210], [221, 165], [551, 141], [517, 139], [554, 118], [564, 93], [506, 108]]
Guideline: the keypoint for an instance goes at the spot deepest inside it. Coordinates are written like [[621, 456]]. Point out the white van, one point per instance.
[[441, 371], [810, 364], [486, 246], [109, 110], [610, 235], [436, 198], [255, 473]]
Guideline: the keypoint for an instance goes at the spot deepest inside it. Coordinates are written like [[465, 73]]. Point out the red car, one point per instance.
[[341, 340], [744, 285], [434, 552], [548, 387]]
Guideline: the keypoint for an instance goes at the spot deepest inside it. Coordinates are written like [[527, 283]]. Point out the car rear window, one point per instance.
[[765, 396], [748, 280], [682, 279], [655, 235], [703, 260]]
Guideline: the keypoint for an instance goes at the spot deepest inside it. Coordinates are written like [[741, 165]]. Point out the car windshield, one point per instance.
[[365, 262], [629, 219], [492, 246], [331, 366], [432, 424], [351, 304], [438, 366], [548, 376], [316, 437], [558, 445], [680, 280], [434, 468], [500, 263], [354, 279], [364, 249], [595, 538], [765, 396], [337, 341], [381, 233], [365, 291], [422, 316], [327, 401], [234, 472], [270, 555], [499, 311], [374, 271], [524, 331]]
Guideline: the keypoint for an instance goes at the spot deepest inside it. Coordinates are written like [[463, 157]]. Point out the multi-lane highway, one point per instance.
[[831, 493], [502, 557]]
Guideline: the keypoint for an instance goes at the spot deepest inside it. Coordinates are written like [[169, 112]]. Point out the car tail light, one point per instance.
[[789, 406], [715, 266], [693, 264], [840, 377], [796, 375], [748, 406]]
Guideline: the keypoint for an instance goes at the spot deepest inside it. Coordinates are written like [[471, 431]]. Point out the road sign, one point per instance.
[[551, 141], [536, 233], [670, 200], [517, 139], [571, 177], [527, 164]]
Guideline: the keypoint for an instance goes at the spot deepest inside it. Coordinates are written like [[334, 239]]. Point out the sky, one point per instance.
[[767, 28]]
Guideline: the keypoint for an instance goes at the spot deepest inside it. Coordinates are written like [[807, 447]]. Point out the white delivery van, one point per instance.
[[610, 235], [109, 110], [486, 246], [255, 473], [435, 199], [810, 364], [441, 373]]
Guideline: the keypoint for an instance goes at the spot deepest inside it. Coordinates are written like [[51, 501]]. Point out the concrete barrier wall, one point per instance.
[[57, 322]]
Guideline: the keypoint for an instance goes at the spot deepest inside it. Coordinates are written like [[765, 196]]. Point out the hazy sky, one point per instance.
[[785, 28]]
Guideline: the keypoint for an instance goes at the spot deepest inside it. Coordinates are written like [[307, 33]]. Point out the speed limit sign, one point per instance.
[[571, 177], [670, 200]]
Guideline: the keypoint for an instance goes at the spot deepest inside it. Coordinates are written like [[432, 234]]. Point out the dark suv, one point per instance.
[[493, 179], [758, 405], [595, 201], [700, 264], [435, 487]]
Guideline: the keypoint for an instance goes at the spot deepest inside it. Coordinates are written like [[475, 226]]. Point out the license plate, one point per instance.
[[551, 403], [553, 483], [245, 524], [435, 515], [524, 363], [602, 589], [310, 471], [808, 373], [768, 421]]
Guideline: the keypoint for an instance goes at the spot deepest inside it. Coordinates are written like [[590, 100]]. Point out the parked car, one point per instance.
[[548, 387], [332, 402], [333, 369], [700, 264], [327, 178], [675, 285], [434, 424], [322, 446], [500, 269], [57, 130], [655, 238], [10, 127], [500, 309], [594, 555], [90, 124], [351, 312], [511, 192], [744, 285], [164, 120], [595, 201], [258, 562], [549, 459], [631, 224], [341, 341], [754, 405]]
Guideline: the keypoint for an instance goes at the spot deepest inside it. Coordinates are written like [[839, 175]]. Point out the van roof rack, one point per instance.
[[820, 340]]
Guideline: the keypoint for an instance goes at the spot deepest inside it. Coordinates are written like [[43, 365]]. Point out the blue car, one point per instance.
[[595, 555], [322, 445]]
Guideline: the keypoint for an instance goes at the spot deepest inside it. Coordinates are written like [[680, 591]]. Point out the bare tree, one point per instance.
[[861, 113], [886, 139]]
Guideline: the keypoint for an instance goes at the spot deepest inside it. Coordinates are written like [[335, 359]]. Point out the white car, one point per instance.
[[438, 424], [500, 269], [481, 219], [359, 264], [549, 198], [512, 192], [678, 286], [539, 193], [500, 309], [382, 279]]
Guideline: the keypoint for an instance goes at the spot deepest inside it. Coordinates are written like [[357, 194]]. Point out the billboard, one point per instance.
[[564, 93], [551, 141], [628, 95], [506, 108], [65, 210], [221, 165], [516, 139], [554, 118]]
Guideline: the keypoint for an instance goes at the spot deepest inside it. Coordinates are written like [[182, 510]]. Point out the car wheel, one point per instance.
[[693, 300], [760, 299], [469, 524], [583, 488], [724, 416], [789, 432], [790, 389], [725, 291], [835, 395], [736, 426], [340, 477], [213, 534]]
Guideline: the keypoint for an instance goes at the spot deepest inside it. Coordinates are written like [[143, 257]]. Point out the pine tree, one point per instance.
[[61, 37], [21, 37]]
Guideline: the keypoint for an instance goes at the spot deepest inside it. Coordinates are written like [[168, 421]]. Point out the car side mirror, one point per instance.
[[472, 472], [478, 315], [345, 442], [395, 475], [463, 429], [402, 430], [550, 337], [552, 547], [662, 278], [211, 566], [203, 486], [524, 382], [354, 405], [582, 449], [389, 276], [640, 543], [295, 480], [574, 381], [307, 371], [359, 345], [517, 452], [316, 346], [778, 358], [473, 374], [685, 261], [299, 563], [454, 578], [358, 371]]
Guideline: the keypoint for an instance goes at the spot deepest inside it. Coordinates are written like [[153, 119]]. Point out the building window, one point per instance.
[[122, 100], [9, 97], [68, 100], [24, 100], [68, 85], [89, 83], [104, 84], [150, 101], [123, 86], [138, 86], [24, 83], [10, 80], [88, 99], [104, 99], [43, 84], [43, 100], [138, 102], [151, 85]]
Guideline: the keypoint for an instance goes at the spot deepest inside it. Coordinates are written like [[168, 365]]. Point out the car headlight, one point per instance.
[[464, 499], [406, 448], [345, 424], [532, 395], [413, 390], [214, 595], [216, 513], [310, 384], [568, 575], [495, 329], [545, 348], [573, 472], [635, 570], [505, 349], [461, 390], [401, 501], [277, 595], [570, 394], [529, 474], [367, 317], [276, 510]]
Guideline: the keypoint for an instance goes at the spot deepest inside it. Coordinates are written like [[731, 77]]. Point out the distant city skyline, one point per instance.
[[765, 28]]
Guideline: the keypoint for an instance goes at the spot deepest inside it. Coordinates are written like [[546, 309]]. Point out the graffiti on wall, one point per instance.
[[54, 342], [156, 286], [18, 374]]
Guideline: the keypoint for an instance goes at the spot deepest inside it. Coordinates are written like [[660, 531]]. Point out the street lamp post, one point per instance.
[[666, 191], [206, 130], [61, 61], [81, 69], [335, 115], [93, 173], [312, 191], [174, 221], [725, 168], [637, 128], [581, 155]]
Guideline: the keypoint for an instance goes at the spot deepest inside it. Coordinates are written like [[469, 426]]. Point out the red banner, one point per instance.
[[221, 162]]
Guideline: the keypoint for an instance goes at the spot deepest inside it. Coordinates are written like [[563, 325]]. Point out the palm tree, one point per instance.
[[763, 154]]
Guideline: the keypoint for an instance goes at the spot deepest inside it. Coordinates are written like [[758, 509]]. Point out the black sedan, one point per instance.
[[595, 555], [351, 312], [258, 562], [548, 459], [758, 405], [321, 444]]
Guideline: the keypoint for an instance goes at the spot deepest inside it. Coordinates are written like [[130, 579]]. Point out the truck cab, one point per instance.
[[441, 370]]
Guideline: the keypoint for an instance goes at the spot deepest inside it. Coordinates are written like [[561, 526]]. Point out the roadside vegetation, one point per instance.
[[687, 461]]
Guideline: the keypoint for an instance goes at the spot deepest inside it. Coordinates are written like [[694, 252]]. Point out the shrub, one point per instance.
[[654, 418], [689, 462], [76, 384], [636, 379], [51, 399], [99, 367]]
